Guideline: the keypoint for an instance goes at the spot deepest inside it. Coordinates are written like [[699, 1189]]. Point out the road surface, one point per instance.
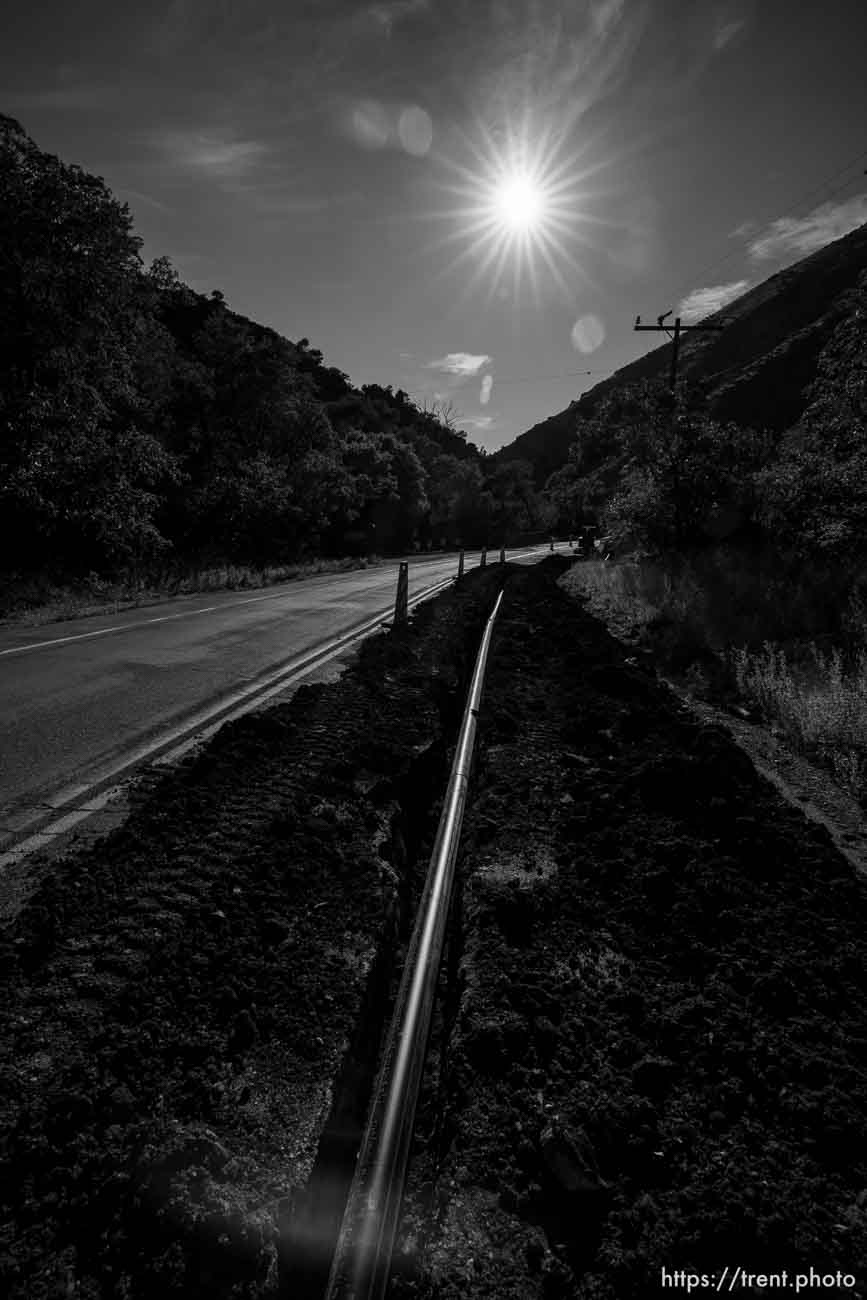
[[81, 702]]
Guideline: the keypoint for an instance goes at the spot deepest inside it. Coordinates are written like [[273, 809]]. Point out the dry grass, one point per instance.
[[819, 706], [635, 598], [34, 602], [765, 638], [621, 594]]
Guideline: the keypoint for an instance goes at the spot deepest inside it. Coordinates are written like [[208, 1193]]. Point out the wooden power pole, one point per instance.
[[675, 337]]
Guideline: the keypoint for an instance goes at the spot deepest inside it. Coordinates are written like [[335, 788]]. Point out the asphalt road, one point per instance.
[[78, 698]]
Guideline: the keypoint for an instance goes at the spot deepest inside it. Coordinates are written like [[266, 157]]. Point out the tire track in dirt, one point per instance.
[[187, 1001]]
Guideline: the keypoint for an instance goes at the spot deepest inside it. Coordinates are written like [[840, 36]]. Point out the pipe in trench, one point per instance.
[[362, 1258]]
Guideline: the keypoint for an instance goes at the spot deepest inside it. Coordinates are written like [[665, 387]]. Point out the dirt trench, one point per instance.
[[653, 1045], [191, 1008], [649, 1047]]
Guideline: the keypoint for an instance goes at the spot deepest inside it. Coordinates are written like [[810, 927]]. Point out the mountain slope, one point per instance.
[[756, 369]]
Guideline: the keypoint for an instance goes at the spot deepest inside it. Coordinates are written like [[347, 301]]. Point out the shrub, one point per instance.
[[820, 706]]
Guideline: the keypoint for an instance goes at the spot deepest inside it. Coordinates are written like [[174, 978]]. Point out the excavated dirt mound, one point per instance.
[[653, 1045], [183, 1004]]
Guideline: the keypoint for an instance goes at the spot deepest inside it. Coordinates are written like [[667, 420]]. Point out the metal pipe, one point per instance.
[[362, 1258]]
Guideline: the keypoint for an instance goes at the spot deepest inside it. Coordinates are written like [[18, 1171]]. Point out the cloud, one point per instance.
[[798, 236], [485, 392], [460, 363], [547, 61], [216, 154], [726, 32], [744, 230], [387, 14], [597, 60], [479, 421], [604, 14], [675, 57], [704, 302]]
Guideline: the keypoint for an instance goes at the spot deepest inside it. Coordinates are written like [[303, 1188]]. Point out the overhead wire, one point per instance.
[[804, 196], [794, 201], [563, 374], [819, 189]]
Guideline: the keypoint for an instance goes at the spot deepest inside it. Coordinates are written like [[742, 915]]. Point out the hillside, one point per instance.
[[151, 431], [756, 370]]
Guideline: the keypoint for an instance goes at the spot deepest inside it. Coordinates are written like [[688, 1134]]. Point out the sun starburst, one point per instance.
[[521, 206], [519, 202]]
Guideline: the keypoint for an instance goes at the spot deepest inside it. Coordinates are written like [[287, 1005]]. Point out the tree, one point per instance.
[[682, 478], [390, 482], [68, 270], [85, 496], [445, 412], [514, 503], [459, 508], [814, 497], [80, 471], [136, 414]]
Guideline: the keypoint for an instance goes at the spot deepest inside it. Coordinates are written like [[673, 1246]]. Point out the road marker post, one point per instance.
[[460, 566], [484, 560], [402, 593]]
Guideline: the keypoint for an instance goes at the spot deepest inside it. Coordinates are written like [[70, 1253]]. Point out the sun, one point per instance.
[[518, 202], [522, 205]]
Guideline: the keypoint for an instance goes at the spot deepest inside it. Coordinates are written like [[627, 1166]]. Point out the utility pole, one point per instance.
[[675, 337]]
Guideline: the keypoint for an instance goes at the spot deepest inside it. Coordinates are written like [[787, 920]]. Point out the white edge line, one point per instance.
[[243, 697], [202, 729], [147, 622], [199, 729]]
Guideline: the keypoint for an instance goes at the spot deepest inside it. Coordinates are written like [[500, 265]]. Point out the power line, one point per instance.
[[538, 379], [736, 252], [544, 379], [675, 337], [796, 200]]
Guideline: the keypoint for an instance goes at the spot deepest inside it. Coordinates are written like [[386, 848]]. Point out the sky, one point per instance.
[[467, 199]]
